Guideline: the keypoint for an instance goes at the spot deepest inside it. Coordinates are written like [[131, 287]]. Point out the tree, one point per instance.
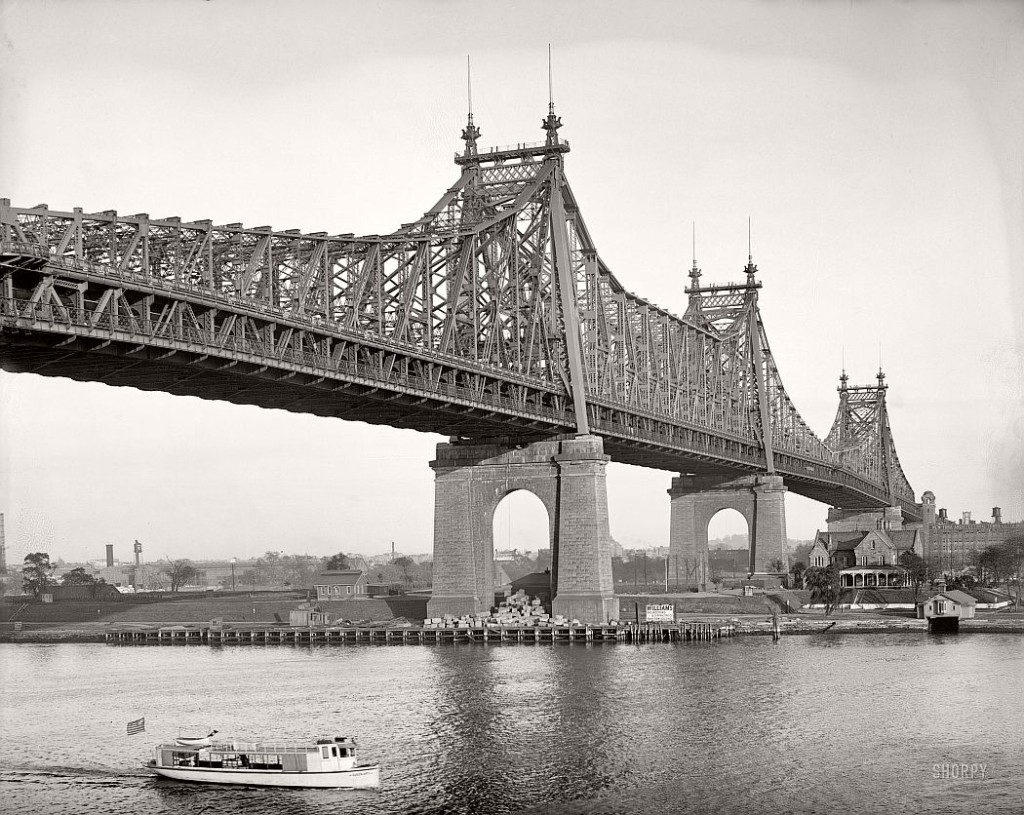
[[917, 570], [1014, 552], [180, 572], [270, 569], [80, 577], [777, 565], [823, 581], [1002, 562], [339, 561], [797, 570], [964, 582], [404, 563], [301, 570], [36, 573]]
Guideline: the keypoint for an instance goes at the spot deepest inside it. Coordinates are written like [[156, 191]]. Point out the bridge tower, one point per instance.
[[731, 310], [861, 430], [567, 472]]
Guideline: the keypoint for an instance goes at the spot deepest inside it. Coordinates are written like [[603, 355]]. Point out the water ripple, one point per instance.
[[812, 724]]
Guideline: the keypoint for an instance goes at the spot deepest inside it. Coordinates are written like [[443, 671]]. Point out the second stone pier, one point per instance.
[[568, 475], [695, 500]]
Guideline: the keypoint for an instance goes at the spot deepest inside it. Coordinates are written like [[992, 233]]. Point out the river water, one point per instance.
[[901, 722]]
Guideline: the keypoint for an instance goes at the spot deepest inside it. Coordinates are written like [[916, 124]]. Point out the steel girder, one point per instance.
[[461, 314]]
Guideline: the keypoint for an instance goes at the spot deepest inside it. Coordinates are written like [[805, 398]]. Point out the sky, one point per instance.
[[874, 146]]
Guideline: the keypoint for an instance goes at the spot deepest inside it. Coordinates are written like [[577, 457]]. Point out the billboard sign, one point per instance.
[[663, 613]]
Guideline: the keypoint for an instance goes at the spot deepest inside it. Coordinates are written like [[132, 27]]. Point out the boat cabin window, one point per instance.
[[326, 752]]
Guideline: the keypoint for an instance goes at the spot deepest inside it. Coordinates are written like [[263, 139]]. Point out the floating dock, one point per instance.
[[414, 635]]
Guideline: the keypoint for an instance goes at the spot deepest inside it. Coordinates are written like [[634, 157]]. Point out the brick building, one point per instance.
[[955, 545]]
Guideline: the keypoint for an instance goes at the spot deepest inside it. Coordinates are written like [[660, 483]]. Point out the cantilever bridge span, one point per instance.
[[491, 319]]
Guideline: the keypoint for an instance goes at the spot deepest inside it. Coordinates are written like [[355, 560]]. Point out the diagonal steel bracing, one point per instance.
[[492, 315]]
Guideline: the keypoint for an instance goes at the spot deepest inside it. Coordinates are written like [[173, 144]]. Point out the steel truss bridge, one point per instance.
[[491, 316]]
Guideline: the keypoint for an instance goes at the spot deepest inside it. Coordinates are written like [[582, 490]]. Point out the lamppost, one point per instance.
[[234, 560]]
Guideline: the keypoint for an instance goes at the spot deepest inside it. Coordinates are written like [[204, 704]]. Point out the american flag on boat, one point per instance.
[[137, 726]]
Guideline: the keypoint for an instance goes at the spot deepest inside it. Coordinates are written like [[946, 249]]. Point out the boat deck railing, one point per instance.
[[241, 747]]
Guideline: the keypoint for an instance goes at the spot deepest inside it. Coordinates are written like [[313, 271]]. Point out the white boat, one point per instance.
[[324, 763]]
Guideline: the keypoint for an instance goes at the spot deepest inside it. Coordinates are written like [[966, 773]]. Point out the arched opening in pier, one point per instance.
[[728, 545], [522, 539], [521, 531]]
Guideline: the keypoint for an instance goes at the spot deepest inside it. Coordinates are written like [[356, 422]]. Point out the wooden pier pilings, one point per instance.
[[205, 634]]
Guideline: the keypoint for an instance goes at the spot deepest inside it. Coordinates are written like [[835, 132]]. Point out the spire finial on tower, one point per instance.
[[750, 269], [552, 122], [694, 272], [551, 85], [471, 132]]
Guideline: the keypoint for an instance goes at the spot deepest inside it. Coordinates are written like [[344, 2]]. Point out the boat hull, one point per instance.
[[358, 778]]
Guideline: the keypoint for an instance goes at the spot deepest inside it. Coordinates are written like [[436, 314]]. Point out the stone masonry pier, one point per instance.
[[695, 500], [568, 475]]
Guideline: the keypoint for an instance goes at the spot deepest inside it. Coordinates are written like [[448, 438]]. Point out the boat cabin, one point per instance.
[[326, 755]]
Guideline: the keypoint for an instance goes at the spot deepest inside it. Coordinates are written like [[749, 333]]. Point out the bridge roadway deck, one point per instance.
[[195, 373], [377, 384]]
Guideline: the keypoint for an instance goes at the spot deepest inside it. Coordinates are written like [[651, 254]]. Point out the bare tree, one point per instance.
[[1014, 553], [179, 572], [917, 570]]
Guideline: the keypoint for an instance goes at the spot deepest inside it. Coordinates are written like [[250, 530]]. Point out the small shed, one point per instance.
[[946, 608], [341, 584], [306, 615]]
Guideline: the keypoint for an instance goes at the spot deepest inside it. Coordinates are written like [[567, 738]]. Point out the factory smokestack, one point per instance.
[[110, 555]]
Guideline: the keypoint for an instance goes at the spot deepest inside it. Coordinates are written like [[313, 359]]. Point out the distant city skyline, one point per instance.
[[875, 147]]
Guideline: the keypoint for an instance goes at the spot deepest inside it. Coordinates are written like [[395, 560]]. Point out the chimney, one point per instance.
[[997, 515], [138, 553], [110, 555], [3, 547]]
